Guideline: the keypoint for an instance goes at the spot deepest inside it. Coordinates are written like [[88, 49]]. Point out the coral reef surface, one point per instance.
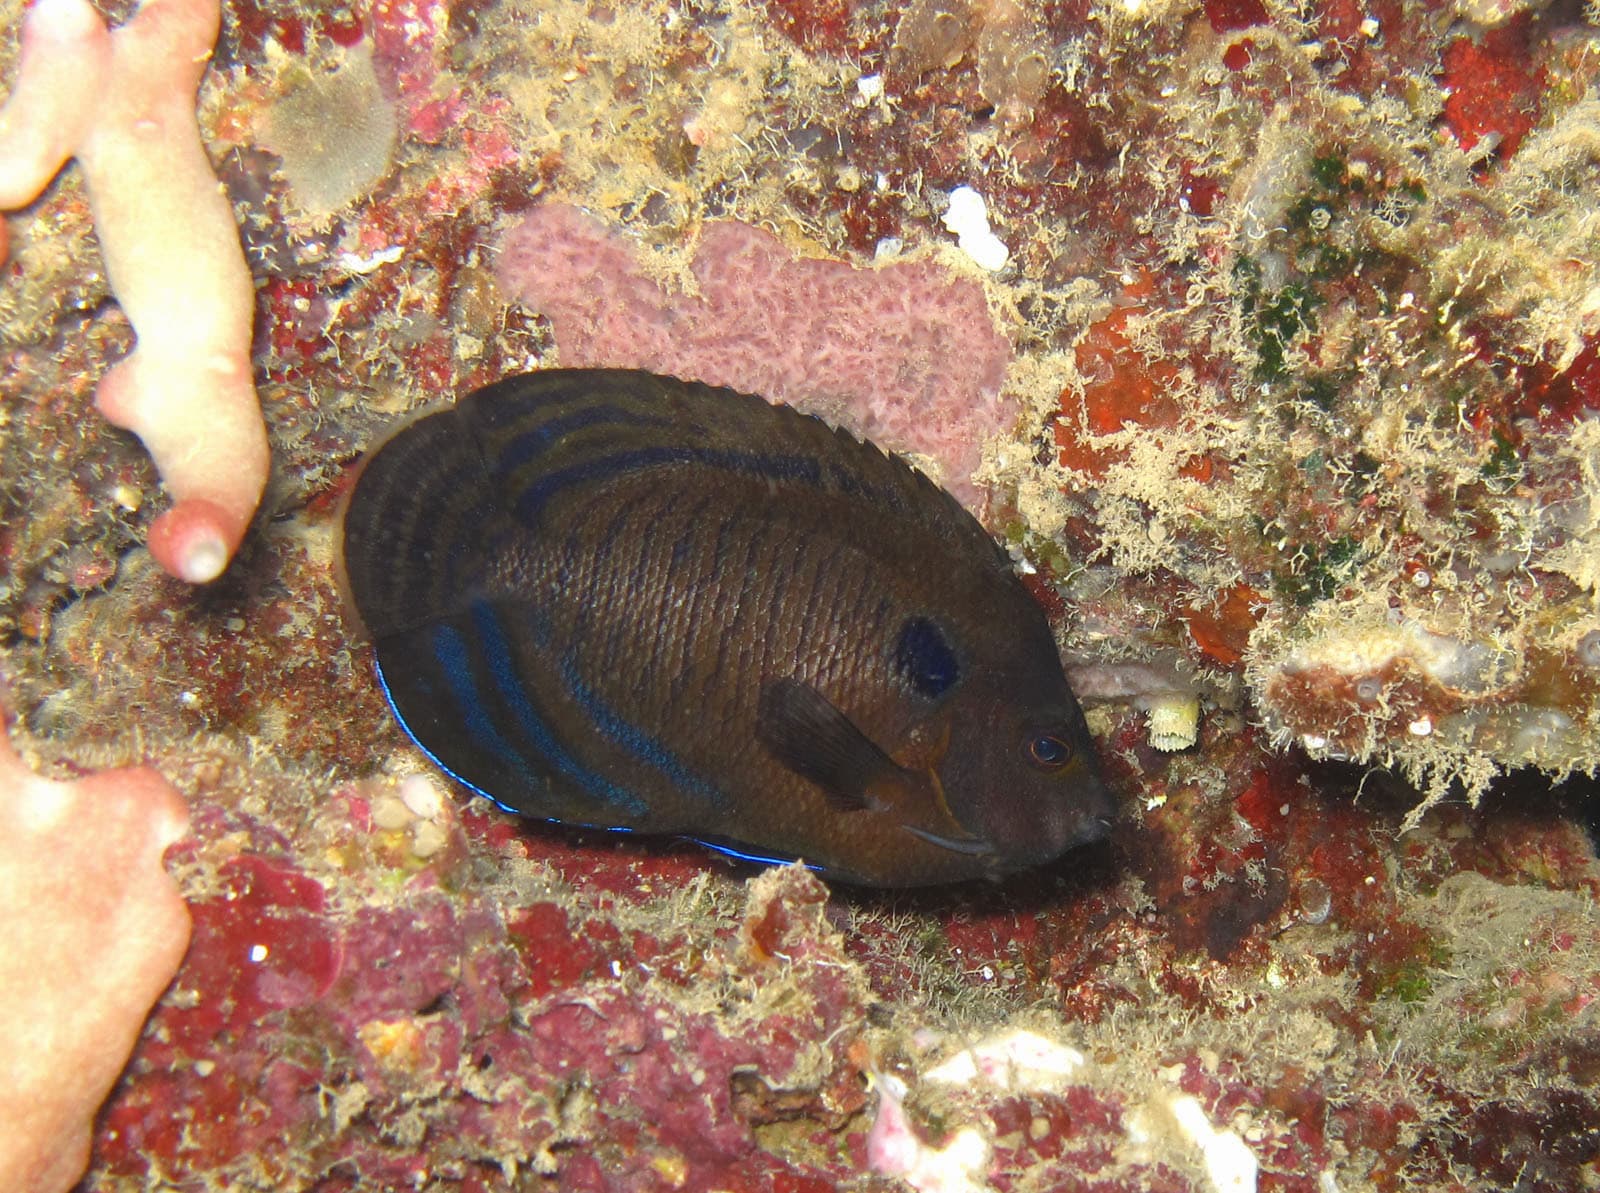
[[1285, 393]]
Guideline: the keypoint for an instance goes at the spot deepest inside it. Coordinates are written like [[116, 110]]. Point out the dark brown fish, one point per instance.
[[609, 598]]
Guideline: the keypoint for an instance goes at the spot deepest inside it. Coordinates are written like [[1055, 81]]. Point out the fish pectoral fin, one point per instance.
[[809, 734]]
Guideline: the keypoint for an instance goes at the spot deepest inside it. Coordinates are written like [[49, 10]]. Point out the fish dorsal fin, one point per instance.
[[810, 735], [543, 432]]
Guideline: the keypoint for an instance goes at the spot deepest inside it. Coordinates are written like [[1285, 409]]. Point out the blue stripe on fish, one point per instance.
[[383, 684], [452, 657], [502, 666], [641, 745], [451, 652], [746, 855]]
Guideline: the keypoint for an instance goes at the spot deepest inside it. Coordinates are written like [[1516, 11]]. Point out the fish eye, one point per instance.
[[1049, 752]]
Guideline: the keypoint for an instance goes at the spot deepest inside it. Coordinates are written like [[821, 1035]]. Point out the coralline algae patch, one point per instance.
[[372, 1017], [432, 1038]]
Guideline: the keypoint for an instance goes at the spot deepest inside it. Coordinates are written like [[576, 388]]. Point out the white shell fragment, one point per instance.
[[1230, 1164], [968, 219], [1020, 1060], [895, 1149]]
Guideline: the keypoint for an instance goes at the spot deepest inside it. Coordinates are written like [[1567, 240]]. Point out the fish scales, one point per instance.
[[608, 598]]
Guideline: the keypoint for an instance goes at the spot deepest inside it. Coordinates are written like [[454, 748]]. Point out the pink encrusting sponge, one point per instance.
[[122, 104], [905, 354]]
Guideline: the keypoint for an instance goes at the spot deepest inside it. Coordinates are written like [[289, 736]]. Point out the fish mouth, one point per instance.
[[969, 846], [1069, 834], [1057, 837]]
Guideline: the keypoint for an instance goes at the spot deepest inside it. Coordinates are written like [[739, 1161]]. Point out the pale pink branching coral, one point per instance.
[[122, 104], [94, 930]]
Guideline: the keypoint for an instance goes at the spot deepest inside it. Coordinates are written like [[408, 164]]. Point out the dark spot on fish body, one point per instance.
[[614, 599], [925, 658]]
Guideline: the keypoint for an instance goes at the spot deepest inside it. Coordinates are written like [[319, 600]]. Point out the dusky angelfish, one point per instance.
[[615, 599]]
